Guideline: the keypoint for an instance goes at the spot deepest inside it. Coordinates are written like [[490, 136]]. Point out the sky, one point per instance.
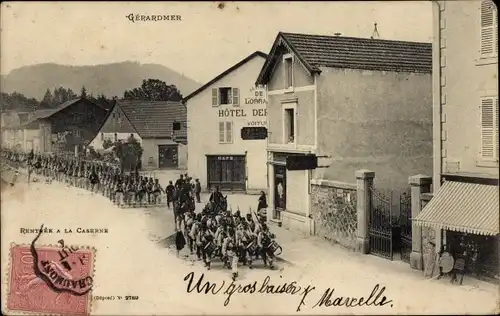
[[206, 41]]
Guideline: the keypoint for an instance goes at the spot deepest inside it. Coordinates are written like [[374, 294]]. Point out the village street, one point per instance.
[[130, 261]]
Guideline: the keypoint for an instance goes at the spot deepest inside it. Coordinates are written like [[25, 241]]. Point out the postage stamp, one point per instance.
[[56, 280]]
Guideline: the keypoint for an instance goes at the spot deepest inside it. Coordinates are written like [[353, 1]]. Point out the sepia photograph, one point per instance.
[[249, 158]]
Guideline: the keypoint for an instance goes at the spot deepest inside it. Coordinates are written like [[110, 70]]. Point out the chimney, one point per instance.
[[375, 34]]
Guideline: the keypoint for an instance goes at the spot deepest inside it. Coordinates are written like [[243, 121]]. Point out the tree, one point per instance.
[[62, 95], [16, 100], [129, 154], [83, 94], [48, 100], [154, 90]]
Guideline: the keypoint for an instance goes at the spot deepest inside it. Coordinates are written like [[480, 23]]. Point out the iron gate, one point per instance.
[[380, 224], [405, 224]]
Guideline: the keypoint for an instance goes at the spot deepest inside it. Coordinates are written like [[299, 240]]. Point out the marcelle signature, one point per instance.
[[328, 299], [56, 274]]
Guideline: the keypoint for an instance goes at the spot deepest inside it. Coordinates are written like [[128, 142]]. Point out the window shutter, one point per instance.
[[221, 132], [229, 132], [488, 26], [215, 97], [229, 96], [236, 97], [495, 121], [495, 25], [487, 128]]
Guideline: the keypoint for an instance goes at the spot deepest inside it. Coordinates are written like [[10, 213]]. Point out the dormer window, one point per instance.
[[288, 65]]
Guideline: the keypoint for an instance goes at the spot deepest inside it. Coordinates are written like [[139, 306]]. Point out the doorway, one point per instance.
[[279, 191], [168, 156]]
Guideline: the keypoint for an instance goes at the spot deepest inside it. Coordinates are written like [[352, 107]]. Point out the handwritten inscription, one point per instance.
[[329, 297]]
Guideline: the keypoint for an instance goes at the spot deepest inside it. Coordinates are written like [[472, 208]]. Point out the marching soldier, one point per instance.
[[141, 191], [130, 192], [193, 234], [93, 179], [149, 190], [264, 241], [230, 252], [244, 238], [221, 233], [188, 225], [170, 193], [157, 191], [205, 242], [119, 191], [251, 223]]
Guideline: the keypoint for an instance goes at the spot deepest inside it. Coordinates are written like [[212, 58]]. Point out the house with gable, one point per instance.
[[65, 128], [363, 103], [218, 113], [159, 126]]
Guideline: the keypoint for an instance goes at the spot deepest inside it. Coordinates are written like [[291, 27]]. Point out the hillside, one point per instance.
[[110, 79]]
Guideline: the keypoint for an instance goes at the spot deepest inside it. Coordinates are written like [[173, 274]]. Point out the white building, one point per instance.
[[159, 126], [217, 112]]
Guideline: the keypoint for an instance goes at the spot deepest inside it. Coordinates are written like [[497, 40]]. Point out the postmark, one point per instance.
[[54, 279]]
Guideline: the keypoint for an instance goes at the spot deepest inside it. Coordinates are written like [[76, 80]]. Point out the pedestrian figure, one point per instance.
[[197, 190], [170, 193], [262, 206]]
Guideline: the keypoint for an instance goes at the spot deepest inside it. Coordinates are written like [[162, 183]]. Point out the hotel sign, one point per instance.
[[254, 115], [242, 112]]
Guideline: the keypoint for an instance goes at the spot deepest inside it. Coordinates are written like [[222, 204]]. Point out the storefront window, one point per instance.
[[481, 253]]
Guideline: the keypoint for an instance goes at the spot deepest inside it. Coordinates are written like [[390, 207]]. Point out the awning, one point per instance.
[[464, 207]]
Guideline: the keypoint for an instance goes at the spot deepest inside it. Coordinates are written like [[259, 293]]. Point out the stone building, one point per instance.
[[364, 103]]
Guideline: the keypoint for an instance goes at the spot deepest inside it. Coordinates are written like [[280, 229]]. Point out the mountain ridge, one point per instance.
[[111, 79]]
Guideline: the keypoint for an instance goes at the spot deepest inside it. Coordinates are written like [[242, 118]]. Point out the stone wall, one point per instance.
[[333, 210]]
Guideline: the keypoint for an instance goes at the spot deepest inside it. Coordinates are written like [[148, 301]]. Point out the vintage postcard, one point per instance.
[[249, 158]]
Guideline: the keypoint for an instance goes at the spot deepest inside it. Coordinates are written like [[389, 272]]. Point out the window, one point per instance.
[[225, 96], [289, 121], [225, 132], [489, 29], [489, 128], [288, 63]]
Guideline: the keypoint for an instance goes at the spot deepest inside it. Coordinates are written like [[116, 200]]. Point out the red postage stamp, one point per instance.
[[55, 280]]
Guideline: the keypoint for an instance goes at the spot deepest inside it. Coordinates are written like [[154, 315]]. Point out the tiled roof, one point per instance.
[[315, 51], [154, 119]]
